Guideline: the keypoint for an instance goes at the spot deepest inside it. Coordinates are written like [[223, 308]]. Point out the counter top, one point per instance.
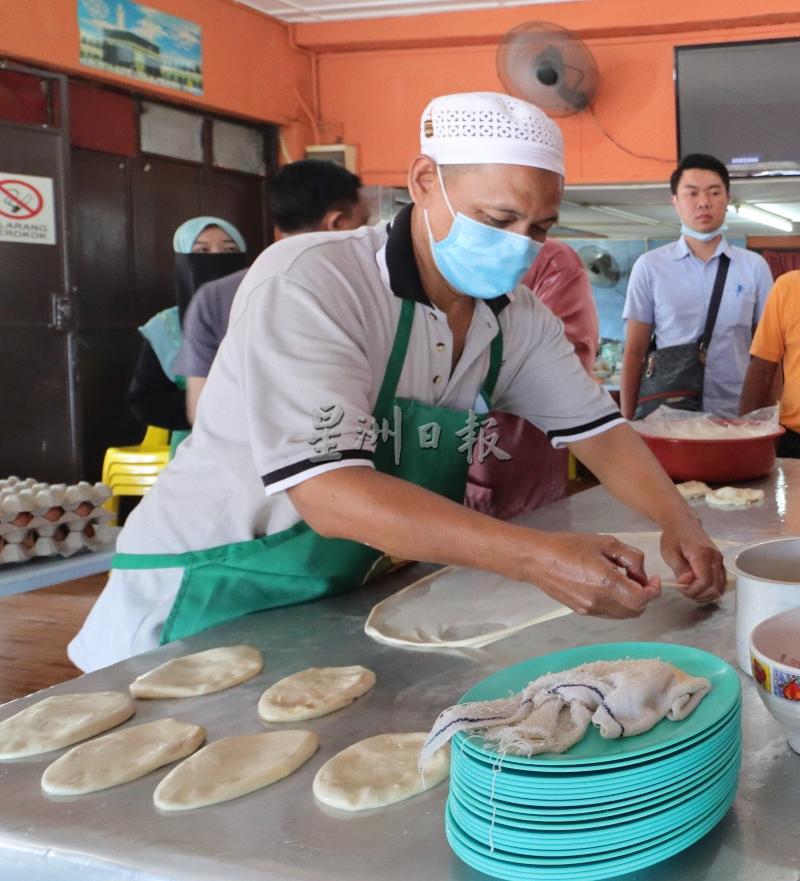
[[281, 834]]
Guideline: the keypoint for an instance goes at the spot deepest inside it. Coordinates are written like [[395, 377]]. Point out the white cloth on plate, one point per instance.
[[552, 713]]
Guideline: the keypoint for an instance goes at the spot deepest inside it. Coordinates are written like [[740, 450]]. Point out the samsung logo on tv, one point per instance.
[[745, 160]]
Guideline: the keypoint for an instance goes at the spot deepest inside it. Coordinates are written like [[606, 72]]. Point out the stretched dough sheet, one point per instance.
[[459, 608], [467, 608]]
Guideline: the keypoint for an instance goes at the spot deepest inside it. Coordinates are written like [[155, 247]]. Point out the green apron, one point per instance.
[[297, 564]]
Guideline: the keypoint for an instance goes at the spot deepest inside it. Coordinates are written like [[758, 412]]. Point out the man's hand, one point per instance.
[[695, 560], [592, 574], [643, 485]]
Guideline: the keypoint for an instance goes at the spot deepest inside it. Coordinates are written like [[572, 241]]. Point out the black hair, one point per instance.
[[699, 160], [303, 192]]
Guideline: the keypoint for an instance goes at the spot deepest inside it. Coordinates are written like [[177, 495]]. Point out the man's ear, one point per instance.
[[331, 221], [422, 180]]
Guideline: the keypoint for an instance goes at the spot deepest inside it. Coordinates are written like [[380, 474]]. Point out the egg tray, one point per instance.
[[42, 520]]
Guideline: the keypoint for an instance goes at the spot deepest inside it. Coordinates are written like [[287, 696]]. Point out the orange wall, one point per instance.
[[375, 76], [250, 67]]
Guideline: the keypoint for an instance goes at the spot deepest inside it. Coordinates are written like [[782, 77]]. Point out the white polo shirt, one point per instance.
[[671, 288], [310, 333]]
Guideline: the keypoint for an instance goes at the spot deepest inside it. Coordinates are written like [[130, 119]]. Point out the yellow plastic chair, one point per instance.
[[572, 467], [131, 471], [118, 471]]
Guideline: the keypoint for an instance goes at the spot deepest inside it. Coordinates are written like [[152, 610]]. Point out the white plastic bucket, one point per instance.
[[767, 582]]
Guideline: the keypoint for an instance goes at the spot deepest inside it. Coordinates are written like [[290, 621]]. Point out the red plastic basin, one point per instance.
[[715, 461]]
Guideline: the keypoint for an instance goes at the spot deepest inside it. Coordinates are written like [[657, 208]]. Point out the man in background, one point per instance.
[[670, 289], [776, 344], [311, 195], [536, 472]]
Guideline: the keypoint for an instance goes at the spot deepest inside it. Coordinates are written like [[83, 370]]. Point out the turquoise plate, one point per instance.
[[527, 812], [522, 869], [612, 813], [596, 844], [501, 775], [724, 695], [517, 787], [466, 768]]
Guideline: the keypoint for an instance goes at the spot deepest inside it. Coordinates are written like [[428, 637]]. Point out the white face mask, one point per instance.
[[703, 236]]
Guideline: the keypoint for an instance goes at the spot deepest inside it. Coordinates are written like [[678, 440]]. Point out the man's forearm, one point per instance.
[[757, 388], [194, 385], [630, 381], [408, 521], [622, 462]]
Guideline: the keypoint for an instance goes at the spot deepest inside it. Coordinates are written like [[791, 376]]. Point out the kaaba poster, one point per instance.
[[124, 37]]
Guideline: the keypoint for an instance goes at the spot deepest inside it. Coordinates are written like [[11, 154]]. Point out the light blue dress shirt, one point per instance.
[[671, 289]]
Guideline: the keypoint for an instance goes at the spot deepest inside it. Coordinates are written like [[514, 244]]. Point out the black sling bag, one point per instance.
[[673, 375]]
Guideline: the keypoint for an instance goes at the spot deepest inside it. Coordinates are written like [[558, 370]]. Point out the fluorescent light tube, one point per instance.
[[759, 215], [625, 215]]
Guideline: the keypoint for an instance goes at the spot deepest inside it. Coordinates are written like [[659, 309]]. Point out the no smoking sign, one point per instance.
[[19, 200], [27, 211]]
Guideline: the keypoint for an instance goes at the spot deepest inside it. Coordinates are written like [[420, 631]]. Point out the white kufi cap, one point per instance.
[[487, 128]]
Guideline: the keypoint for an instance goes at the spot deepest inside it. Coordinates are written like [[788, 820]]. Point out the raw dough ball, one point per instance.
[[122, 756], [314, 692], [201, 673], [379, 771], [232, 767], [62, 720], [693, 489], [731, 496]]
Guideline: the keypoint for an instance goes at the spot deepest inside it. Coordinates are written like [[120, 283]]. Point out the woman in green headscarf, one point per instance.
[[206, 248]]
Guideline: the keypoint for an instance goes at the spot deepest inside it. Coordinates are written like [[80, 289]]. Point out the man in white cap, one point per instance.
[[346, 402]]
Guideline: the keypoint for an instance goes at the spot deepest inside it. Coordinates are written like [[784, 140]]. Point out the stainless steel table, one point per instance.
[[281, 834]]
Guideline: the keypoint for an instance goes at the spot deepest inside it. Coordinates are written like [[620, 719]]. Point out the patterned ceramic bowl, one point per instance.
[[775, 660]]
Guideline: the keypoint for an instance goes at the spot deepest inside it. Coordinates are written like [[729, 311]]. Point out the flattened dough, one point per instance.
[[693, 489], [201, 673], [122, 756], [733, 497], [62, 720], [459, 608], [379, 771], [234, 766], [466, 608], [314, 692]]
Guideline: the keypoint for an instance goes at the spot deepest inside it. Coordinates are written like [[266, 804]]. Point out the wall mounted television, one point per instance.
[[740, 102]]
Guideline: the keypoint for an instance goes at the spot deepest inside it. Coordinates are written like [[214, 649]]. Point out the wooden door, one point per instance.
[[39, 433]]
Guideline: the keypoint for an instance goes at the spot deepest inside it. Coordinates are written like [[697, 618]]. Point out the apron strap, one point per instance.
[[217, 554], [495, 362], [397, 357]]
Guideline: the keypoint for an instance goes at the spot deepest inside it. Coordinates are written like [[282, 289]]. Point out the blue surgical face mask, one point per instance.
[[703, 236], [479, 260]]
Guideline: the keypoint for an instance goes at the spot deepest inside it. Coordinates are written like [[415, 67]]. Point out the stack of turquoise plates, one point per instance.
[[605, 807]]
